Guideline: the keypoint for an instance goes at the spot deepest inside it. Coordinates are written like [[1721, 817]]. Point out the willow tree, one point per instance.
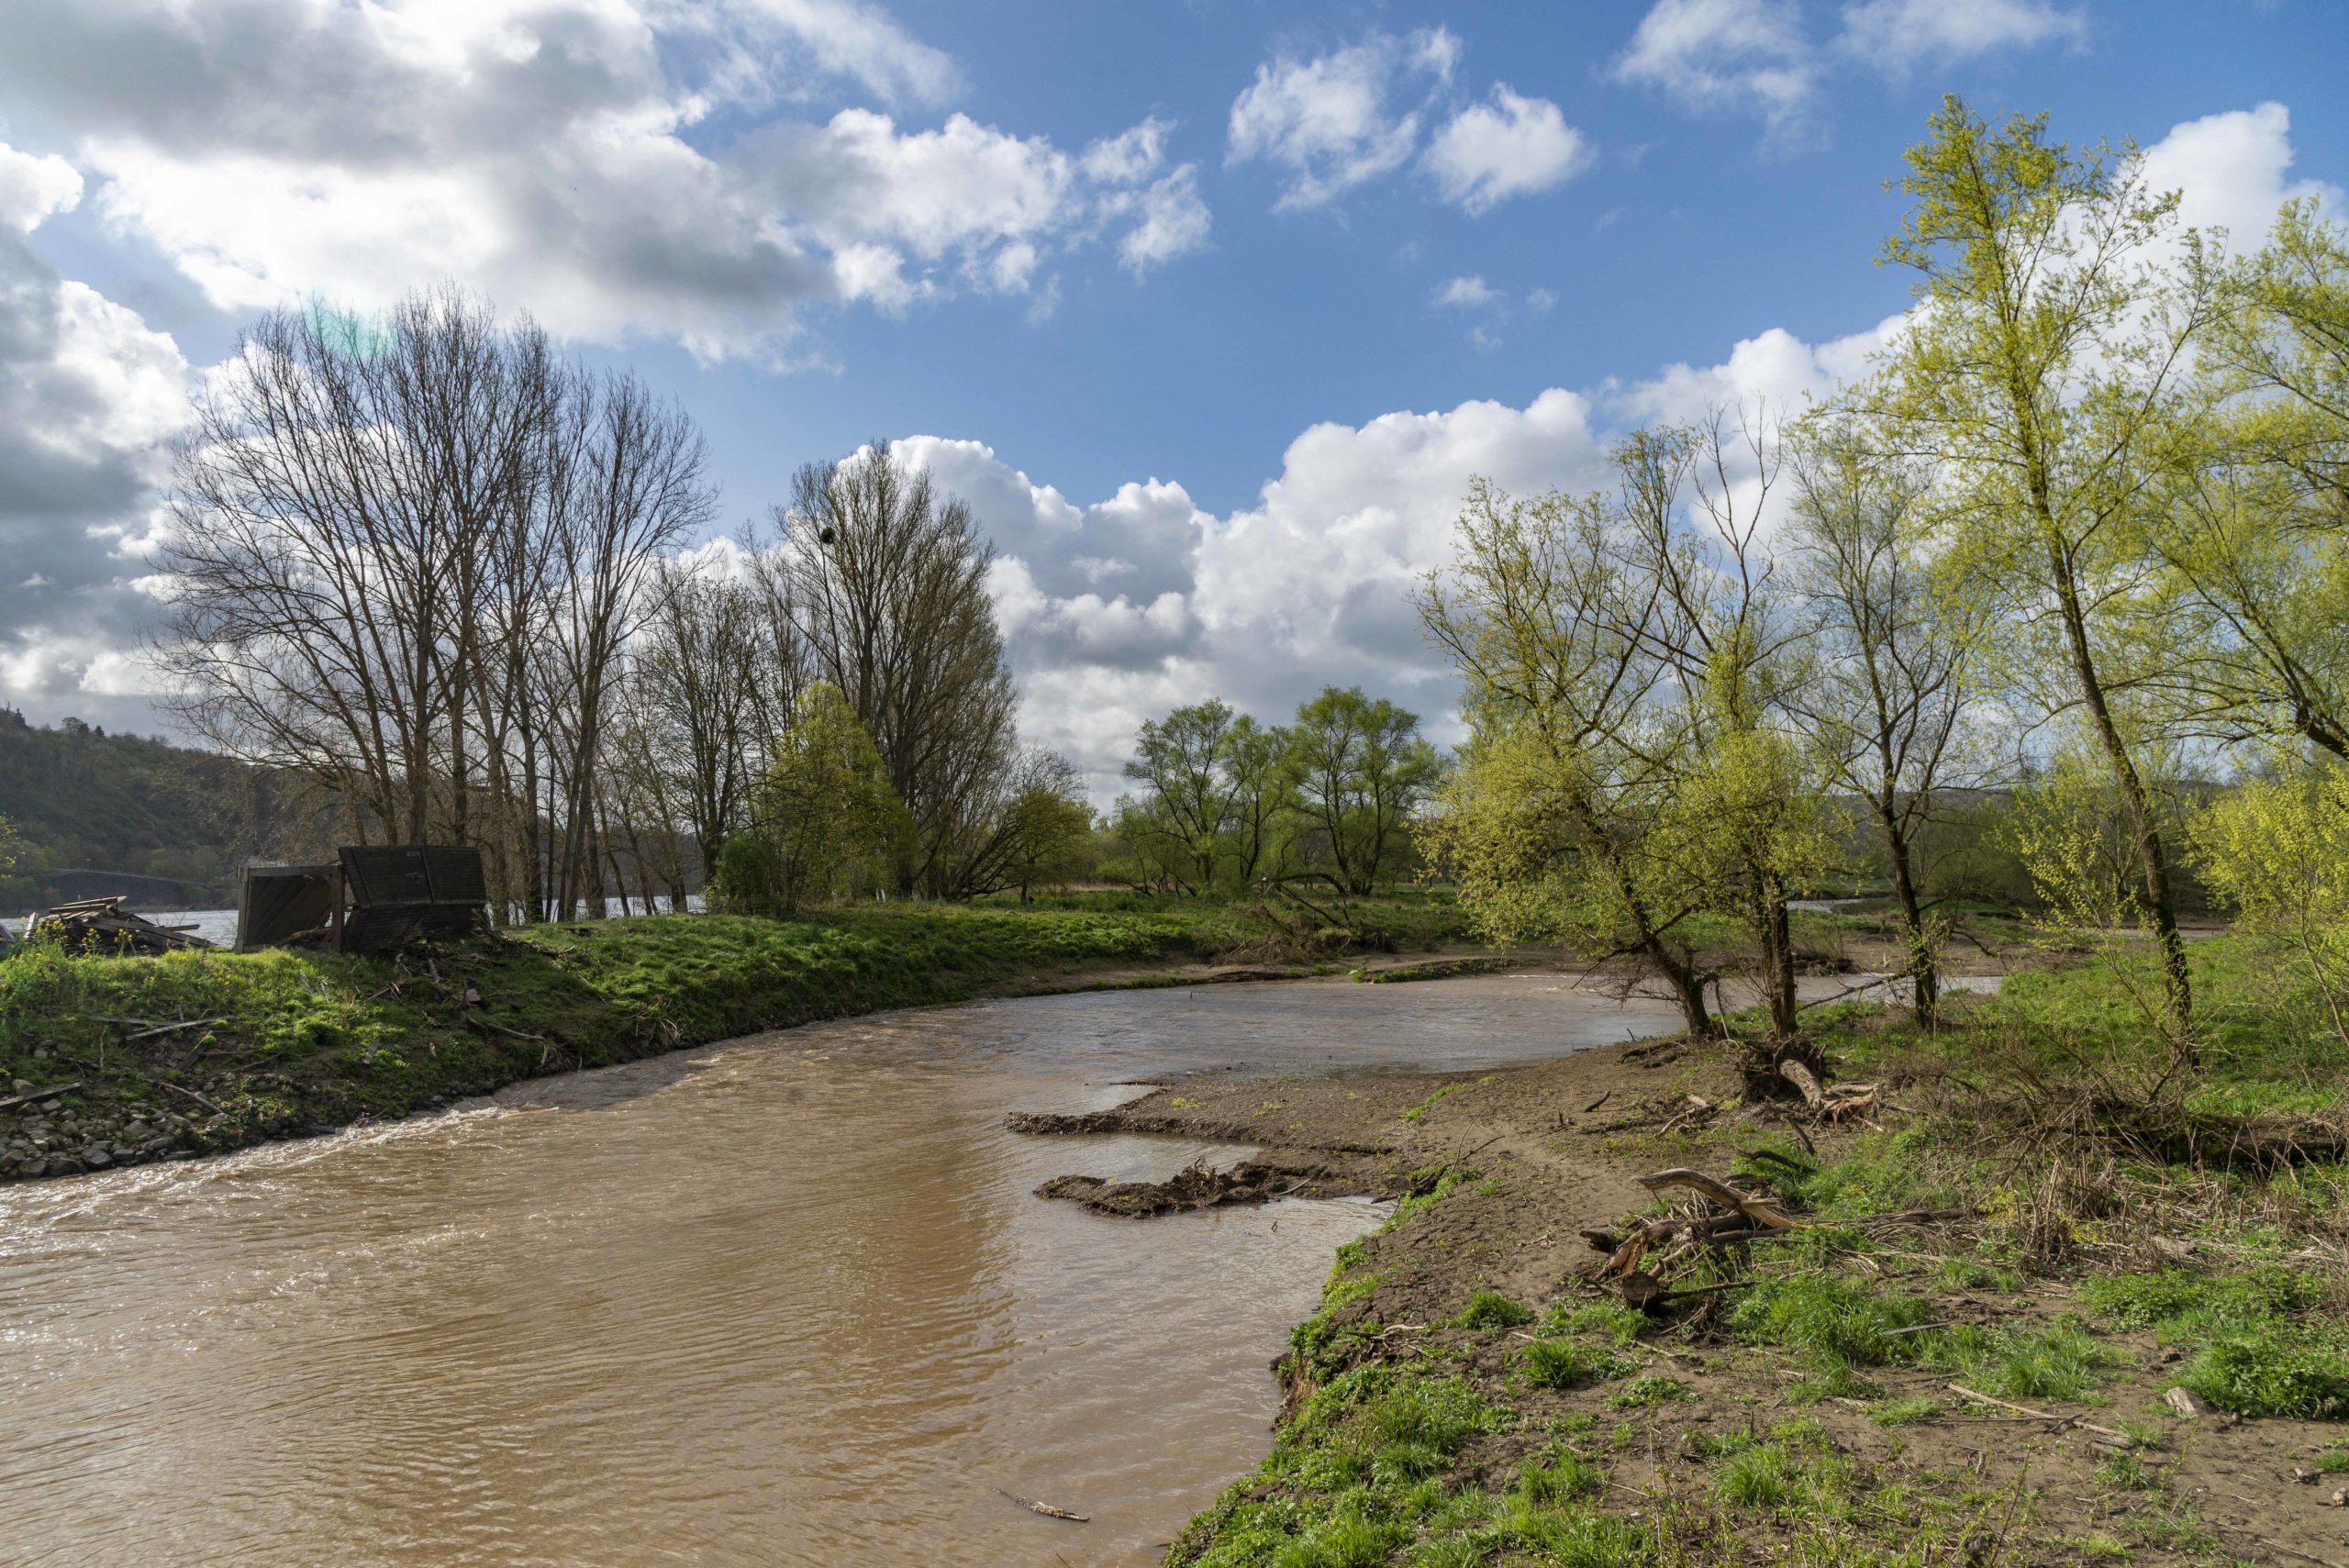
[[1747, 804], [2257, 544], [1558, 822], [1359, 770], [885, 577], [2043, 373]]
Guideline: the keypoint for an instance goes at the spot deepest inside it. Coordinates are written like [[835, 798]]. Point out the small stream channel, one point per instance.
[[786, 1300]]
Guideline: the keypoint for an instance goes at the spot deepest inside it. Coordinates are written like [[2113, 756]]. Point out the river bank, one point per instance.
[[106, 1061], [1961, 1345]]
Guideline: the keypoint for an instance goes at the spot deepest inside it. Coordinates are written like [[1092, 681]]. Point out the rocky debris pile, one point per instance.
[[103, 926], [50, 1138]]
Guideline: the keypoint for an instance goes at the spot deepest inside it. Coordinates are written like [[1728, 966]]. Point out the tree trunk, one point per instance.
[[1924, 975], [1687, 985], [1778, 957], [2152, 862]]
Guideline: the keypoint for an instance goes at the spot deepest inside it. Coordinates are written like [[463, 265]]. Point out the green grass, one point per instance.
[[1644, 1392], [2261, 1345], [1836, 1326], [1491, 1309], [1569, 1363], [1413, 1112], [1610, 1320], [1351, 1478], [1794, 1467]]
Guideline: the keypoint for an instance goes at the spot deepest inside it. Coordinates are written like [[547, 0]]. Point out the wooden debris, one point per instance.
[[173, 1028], [1762, 1211], [103, 926], [37, 1096], [212, 1106], [2188, 1404], [1046, 1510]]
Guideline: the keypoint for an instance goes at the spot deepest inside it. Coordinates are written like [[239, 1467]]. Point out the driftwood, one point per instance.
[[1836, 1102], [191, 1094], [2085, 1426], [37, 1096], [1046, 1510], [1762, 1211]]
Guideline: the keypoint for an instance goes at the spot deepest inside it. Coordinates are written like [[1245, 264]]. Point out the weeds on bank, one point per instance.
[[2258, 1345]]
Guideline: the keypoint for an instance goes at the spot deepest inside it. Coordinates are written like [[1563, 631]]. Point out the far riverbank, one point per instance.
[[116, 1061]]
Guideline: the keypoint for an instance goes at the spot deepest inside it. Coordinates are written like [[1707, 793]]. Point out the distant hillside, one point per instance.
[[79, 800]]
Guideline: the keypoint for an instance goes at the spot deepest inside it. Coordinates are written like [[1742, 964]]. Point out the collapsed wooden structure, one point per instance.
[[370, 898], [103, 926]]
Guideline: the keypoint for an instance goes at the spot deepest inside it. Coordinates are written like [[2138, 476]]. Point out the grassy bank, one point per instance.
[[202, 1050], [1962, 1352]]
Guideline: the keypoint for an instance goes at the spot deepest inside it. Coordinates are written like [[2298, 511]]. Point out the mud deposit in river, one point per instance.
[[791, 1300]]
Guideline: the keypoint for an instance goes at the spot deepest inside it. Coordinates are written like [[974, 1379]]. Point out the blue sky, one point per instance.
[[1305, 267]]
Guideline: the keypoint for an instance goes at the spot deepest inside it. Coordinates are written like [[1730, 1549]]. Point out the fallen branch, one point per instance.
[[13, 1101], [172, 1029], [1759, 1210], [2088, 1426], [192, 1095], [1046, 1510]]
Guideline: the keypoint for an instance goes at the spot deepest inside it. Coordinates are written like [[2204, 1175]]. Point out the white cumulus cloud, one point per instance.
[[1899, 36], [1739, 56], [1508, 146], [1330, 122]]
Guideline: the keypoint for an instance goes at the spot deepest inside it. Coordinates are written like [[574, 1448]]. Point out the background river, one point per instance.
[[783, 1301]]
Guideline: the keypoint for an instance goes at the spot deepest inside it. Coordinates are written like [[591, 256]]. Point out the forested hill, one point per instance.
[[76, 798]]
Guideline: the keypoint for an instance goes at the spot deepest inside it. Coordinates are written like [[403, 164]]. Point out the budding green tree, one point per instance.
[[826, 822], [2257, 542], [2042, 374], [1556, 824], [2279, 849], [1359, 770], [1890, 682]]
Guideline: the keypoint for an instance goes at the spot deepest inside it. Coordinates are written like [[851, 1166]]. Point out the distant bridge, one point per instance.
[[148, 892]]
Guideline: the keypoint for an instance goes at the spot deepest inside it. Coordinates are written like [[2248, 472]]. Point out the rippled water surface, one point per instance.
[[783, 1301]]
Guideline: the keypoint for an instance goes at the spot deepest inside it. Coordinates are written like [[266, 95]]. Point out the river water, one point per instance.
[[787, 1300]]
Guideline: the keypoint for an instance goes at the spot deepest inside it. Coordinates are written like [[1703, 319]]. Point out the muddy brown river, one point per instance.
[[786, 1300]]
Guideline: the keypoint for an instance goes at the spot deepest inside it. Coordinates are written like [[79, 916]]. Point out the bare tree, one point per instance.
[[329, 505], [1891, 685], [704, 665], [625, 485], [885, 582], [406, 556]]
